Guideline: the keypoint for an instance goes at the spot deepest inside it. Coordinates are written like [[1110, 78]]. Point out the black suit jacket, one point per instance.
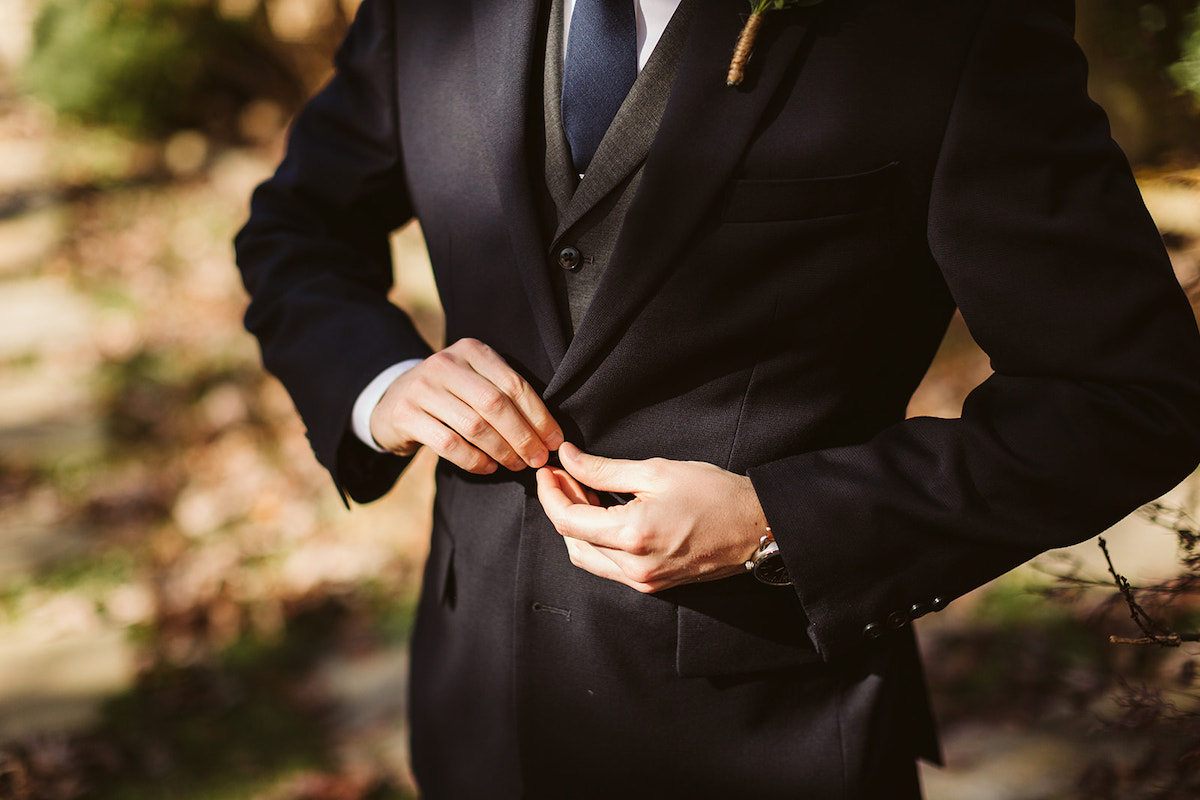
[[783, 278]]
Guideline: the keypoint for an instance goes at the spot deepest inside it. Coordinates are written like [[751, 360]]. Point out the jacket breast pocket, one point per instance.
[[784, 199], [738, 625]]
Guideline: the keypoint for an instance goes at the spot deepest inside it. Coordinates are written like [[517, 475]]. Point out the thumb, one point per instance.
[[604, 474]]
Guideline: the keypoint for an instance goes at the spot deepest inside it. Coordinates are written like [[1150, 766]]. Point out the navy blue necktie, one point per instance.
[[601, 66]]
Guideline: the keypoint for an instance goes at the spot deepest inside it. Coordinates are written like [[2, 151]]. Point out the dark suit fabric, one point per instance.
[[783, 275], [588, 214]]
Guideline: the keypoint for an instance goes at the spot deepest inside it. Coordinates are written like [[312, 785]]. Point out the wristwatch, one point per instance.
[[767, 562]]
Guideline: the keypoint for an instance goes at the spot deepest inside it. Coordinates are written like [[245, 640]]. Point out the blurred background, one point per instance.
[[186, 609]]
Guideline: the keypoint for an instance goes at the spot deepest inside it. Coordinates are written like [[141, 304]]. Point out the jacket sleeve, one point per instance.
[[1094, 406], [315, 257]]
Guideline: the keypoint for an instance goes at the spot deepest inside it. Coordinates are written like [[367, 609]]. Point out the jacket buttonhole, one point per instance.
[[565, 613]]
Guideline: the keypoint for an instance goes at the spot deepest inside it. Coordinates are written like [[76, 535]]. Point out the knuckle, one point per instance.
[[635, 542], [473, 426], [526, 442], [650, 587], [642, 574], [416, 380], [473, 346], [490, 401], [401, 404], [477, 462], [656, 468], [443, 441], [512, 462], [512, 385], [439, 362]]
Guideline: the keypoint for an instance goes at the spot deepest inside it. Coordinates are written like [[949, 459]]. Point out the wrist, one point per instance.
[[368, 399], [751, 520], [765, 561]]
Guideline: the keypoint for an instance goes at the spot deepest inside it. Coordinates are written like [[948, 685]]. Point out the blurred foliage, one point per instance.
[[156, 66], [151, 66], [204, 502], [243, 722], [1148, 35], [1136, 51], [1037, 657], [1186, 71]]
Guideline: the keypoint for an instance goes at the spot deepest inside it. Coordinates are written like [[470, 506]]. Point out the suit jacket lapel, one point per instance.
[[505, 35], [703, 133]]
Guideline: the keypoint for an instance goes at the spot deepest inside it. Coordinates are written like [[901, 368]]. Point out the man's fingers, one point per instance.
[[469, 389], [491, 366], [573, 517], [574, 490], [559, 494], [452, 447], [607, 474], [502, 399], [597, 561]]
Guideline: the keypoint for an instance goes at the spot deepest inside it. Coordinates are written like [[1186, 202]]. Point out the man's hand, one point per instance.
[[689, 521], [468, 405]]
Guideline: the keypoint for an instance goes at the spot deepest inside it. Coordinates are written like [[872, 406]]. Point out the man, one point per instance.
[[717, 328]]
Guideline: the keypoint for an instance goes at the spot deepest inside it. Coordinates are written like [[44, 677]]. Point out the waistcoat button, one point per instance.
[[569, 258]]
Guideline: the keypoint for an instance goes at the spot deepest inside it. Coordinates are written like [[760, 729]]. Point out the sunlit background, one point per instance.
[[187, 610]]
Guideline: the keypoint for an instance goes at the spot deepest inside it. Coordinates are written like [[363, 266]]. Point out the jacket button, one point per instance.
[[569, 258], [897, 620], [937, 604], [873, 630]]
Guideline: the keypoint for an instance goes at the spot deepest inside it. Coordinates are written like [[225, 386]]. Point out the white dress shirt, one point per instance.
[[652, 18]]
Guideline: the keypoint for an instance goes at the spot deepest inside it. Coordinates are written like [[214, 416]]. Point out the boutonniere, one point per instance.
[[745, 43]]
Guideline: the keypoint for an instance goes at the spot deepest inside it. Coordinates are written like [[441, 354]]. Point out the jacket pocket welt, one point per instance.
[[739, 625], [781, 200]]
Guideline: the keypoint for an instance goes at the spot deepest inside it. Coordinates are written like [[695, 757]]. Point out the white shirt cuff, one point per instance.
[[360, 417]]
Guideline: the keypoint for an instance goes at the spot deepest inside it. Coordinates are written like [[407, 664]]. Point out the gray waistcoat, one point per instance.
[[589, 212]]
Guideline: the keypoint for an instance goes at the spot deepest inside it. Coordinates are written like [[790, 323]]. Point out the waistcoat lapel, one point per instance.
[[705, 128], [561, 179], [631, 134]]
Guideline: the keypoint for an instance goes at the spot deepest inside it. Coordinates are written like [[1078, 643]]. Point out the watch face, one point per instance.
[[771, 570]]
